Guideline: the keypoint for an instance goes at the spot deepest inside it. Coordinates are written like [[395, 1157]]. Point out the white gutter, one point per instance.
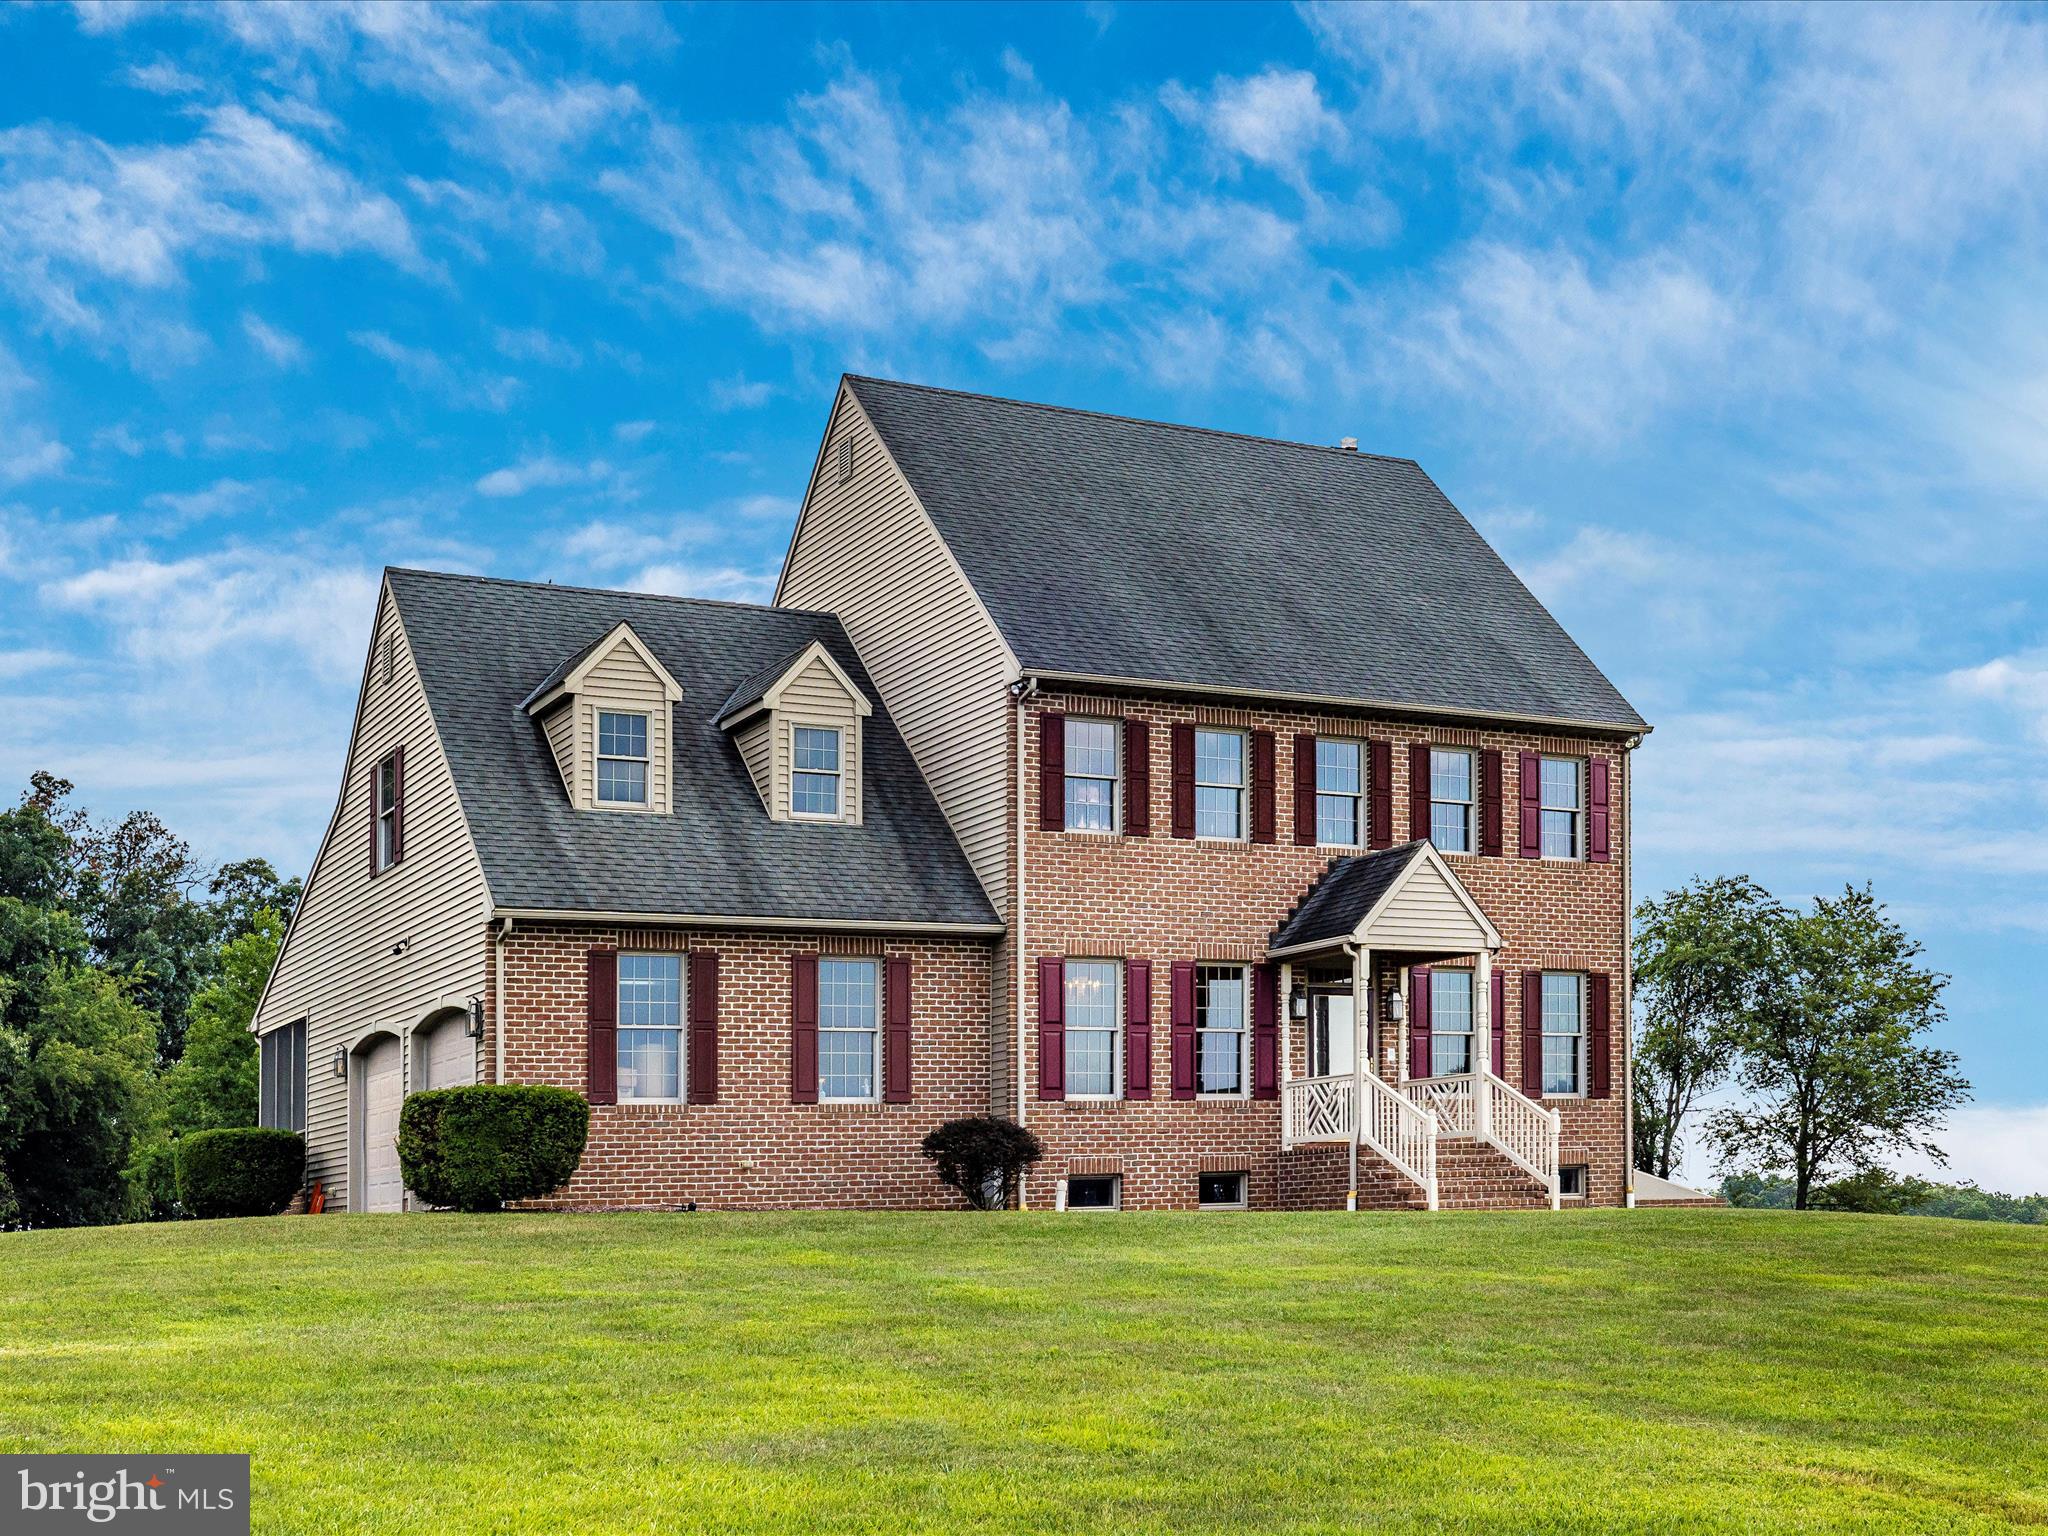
[[1628, 971], [728, 920], [1021, 691]]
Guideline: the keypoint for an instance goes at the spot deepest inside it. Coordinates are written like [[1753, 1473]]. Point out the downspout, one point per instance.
[[1361, 1035], [498, 999], [1023, 690], [1628, 969]]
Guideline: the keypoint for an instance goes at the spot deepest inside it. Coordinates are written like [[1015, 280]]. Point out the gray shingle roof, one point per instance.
[[482, 645], [1115, 548], [1337, 903], [755, 688]]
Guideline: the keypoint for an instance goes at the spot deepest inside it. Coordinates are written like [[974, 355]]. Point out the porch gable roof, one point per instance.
[[1405, 897]]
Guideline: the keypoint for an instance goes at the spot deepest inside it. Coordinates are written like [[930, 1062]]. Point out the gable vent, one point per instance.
[[845, 459]]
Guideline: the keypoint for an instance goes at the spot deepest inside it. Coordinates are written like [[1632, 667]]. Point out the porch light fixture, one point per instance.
[[1297, 1003], [341, 1061], [1397, 1006], [476, 1018]]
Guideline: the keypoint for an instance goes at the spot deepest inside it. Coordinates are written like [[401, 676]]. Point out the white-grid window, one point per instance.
[[814, 786], [1450, 1022], [621, 758], [1220, 1013], [387, 812], [1450, 801], [650, 1026], [1219, 783], [1340, 792], [1093, 1012], [1563, 791], [1091, 775], [1564, 1028], [849, 1029]]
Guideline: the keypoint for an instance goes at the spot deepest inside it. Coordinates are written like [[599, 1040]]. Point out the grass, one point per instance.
[[1595, 1371]]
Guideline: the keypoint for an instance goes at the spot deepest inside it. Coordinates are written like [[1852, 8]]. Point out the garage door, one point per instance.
[[444, 1056], [382, 1189]]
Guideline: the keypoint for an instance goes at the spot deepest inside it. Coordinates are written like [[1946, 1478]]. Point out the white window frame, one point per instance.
[[1577, 812], [1241, 1203], [1115, 1029], [873, 1031], [1585, 1177], [1470, 803], [680, 1029], [1115, 778], [1358, 800], [1116, 1192], [645, 760], [1240, 788], [1438, 991], [390, 854], [836, 775], [1243, 1032], [1579, 1046]]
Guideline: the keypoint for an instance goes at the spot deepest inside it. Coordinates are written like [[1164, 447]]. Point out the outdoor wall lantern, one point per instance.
[[476, 1018], [1397, 1006], [341, 1061], [1297, 1003]]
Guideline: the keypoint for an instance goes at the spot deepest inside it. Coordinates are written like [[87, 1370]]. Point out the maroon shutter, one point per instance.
[[1598, 1041], [1183, 781], [1137, 777], [376, 778], [1305, 790], [1265, 788], [1491, 813], [1380, 793], [803, 1029], [896, 1033], [1052, 772], [1137, 1029], [1532, 806], [1596, 810], [1532, 1034], [1052, 1029], [1418, 792], [1265, 1031], [1183, 1030], [1418, 1022], [1498, 1006], [601, 1026], [703, 1026], [397, 802]]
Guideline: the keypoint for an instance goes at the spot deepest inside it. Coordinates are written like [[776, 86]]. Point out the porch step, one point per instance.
[[1471, 1176]]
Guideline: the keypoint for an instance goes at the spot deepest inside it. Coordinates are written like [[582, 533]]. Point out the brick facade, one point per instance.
[[1162, 899], [754, 1149]]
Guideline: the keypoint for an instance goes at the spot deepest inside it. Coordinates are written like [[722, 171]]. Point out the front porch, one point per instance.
[[1362, 1068]]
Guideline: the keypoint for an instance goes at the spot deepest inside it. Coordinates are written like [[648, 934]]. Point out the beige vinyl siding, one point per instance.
[[1426, 914], [561, 731], [866, 551], [622, 683], [753, 741], [338, 971], [814, 697]]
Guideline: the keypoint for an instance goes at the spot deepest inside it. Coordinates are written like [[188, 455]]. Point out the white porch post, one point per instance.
[[1286, 1052], [1482, 1047], [1361, 999]]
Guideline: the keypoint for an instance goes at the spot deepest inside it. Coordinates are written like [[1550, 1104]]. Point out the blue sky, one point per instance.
[[1729, 327]]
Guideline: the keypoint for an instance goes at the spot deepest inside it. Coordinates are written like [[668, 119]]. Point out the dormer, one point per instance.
[[797, 725], [607, 715]]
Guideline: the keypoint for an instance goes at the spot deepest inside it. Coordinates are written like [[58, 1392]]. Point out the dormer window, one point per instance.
[[814, 781], [621, 758]]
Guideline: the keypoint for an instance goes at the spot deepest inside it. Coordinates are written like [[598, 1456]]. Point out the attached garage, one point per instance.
[[380, 1080], [444, 1054]]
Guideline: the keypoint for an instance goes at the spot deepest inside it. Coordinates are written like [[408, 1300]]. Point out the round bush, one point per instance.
[[246, 1171], [982, 1156], [476, 1148]]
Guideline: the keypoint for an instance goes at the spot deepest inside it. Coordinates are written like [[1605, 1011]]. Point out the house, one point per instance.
[[1223, 809]]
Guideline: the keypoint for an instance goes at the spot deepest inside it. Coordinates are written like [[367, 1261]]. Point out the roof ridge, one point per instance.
[[1139, 421], [565, 586]]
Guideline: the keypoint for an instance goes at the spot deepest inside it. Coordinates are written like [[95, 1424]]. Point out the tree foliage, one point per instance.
[[982, 1156], [1832, 1064], [1701, 955]]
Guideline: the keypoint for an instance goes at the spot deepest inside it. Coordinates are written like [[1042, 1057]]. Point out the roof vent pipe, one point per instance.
[[1349, 445]]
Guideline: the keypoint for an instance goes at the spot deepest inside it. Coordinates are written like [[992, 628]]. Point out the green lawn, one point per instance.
[[1595, 1371]]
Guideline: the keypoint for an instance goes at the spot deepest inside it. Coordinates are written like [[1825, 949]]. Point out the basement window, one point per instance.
[[1571, 1182], [1092, 1194], [1220, 1192]]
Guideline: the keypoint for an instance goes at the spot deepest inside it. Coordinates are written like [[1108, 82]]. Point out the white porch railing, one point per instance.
[[1325, 1109], [1490, 1108]]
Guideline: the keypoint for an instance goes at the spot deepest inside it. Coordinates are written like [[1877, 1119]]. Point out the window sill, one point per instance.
[[1219, 842]]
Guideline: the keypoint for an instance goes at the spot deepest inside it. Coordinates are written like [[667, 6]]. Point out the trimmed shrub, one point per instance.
[[244, 1171], [475, 1148], [984, 1157]]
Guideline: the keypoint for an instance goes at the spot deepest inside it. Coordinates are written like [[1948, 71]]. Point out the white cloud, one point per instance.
[[161, 77], [223, 497], [531, 344], [632, 431], [1997, 1147], [729, 582], [2019, 681], [1276, 118], [27, 450], [739, 393], [281, 347], [20, 663], [424, 369], [541, 472]]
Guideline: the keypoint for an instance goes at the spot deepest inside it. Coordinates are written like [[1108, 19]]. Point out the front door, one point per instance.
[[1332, 1035]]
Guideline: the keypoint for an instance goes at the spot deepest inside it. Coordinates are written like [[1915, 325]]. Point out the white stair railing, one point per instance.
[[1490, 1108], [1318, 1109], [1402, 1132], [1450, 1097]]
